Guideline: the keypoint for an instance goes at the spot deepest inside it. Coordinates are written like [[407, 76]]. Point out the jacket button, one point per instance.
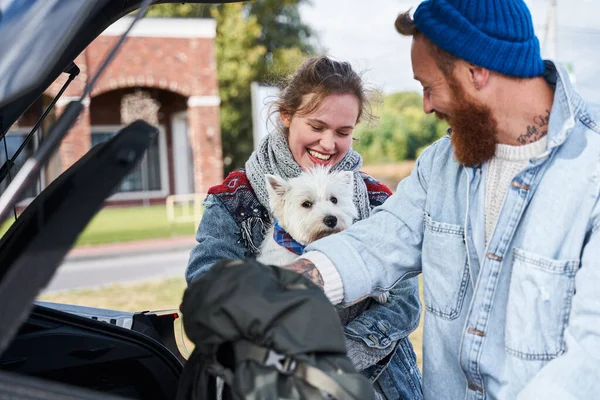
[[494, 257], [383, 326], [475, 387], [519, 185], [374, 340], [474, 331]]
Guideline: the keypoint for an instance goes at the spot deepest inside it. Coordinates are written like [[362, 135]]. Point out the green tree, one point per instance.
[[284, 36], [403, 130], [238, 58], [262, 41], [187, 10]]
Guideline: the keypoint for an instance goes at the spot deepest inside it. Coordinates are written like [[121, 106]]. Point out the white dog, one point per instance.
[[311, 206]]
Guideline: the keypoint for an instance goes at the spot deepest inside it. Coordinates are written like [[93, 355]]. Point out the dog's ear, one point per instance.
[[347, 178], [276, 186]]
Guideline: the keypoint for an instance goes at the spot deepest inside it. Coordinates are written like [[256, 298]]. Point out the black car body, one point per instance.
[[52, 350]]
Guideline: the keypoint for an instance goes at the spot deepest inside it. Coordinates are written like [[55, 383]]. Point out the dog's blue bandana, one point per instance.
[[286, 240]]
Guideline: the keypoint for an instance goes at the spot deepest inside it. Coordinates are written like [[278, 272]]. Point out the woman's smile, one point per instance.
[[318, 157]]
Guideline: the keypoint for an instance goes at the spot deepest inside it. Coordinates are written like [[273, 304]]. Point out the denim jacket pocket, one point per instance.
[[539, 304], [445, 269]]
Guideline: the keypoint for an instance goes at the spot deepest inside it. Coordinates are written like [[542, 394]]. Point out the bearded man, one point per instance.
[[501, 216]]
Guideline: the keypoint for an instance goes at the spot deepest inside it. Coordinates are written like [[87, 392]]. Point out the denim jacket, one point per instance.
[[382, 327], [520, 317]]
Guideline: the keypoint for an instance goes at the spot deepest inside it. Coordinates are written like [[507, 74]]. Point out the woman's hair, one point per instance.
[[321, 76]]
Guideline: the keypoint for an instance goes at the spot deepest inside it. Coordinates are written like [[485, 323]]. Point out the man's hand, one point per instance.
[[305, 267]]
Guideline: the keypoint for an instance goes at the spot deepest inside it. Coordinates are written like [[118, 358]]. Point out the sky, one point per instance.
[[363, 33]]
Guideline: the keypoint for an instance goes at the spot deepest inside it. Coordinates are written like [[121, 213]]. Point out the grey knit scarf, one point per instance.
[[274, 157]]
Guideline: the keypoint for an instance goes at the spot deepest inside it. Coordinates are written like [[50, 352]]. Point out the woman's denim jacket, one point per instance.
[[233, 226]]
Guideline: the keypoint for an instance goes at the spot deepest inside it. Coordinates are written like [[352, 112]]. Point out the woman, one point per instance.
[[318, 109]]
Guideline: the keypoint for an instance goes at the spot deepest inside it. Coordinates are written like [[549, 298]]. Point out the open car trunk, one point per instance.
[[45, 351], [59, 346]]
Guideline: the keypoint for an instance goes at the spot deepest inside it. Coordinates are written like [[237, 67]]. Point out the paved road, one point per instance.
[[91, 272]]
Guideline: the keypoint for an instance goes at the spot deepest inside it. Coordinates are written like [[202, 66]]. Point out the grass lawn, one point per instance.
[[390, 174], [113, 225], [156, 295], [417, 336]]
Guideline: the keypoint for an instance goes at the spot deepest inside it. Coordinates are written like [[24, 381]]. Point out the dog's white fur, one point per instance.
[[288, 201]]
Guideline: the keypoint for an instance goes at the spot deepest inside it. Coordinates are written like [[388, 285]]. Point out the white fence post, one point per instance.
[[189, 206]]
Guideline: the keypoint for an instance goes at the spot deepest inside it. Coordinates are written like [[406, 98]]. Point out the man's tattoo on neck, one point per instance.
[[305, 267], [542, 120], [537, 131]]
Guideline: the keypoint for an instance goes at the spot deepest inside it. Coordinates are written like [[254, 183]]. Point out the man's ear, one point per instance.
[[478, 76]]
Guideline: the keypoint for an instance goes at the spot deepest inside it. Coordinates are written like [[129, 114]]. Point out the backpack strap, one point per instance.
[[196, 381], [245, 350], [320, 380]]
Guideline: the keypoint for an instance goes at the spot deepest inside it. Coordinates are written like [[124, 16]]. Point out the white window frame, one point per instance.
[[25, 130], [164, 166]]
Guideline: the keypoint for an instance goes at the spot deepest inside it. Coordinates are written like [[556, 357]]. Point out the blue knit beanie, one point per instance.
[[494, 34]]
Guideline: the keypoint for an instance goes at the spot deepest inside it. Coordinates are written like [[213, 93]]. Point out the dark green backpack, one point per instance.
[[268, 333]]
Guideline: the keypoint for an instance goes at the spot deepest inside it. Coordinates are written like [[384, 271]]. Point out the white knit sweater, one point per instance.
[[501, 169]]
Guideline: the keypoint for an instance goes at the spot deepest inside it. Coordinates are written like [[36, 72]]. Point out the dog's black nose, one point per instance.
[[330, 221]]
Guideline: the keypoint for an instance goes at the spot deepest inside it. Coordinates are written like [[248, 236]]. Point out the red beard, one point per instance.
[[473, 128]]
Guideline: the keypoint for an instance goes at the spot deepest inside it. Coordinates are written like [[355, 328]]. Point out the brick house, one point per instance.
[[166, 67]]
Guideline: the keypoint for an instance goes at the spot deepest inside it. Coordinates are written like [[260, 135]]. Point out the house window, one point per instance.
[[147, 176], [14, 140]]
